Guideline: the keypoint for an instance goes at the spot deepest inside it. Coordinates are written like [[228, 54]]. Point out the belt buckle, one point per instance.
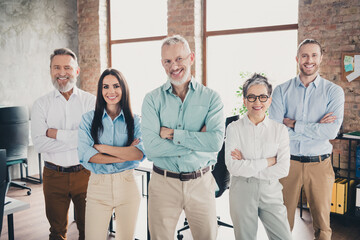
[[181, 177]]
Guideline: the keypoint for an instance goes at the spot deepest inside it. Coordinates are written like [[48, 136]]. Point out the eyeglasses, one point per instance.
[[168, 63], [262, 98]]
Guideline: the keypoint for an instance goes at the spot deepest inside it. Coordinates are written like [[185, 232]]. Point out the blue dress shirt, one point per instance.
[[308, 105], [114, 134], [190, 149]]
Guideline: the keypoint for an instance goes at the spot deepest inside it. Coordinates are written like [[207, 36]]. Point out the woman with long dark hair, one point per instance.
[[110, 146]]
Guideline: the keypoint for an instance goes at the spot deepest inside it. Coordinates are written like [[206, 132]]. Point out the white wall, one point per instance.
[[29, 31]]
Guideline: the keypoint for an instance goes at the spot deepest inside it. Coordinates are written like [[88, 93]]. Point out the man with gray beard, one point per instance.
[[55, 119], [183, 129]]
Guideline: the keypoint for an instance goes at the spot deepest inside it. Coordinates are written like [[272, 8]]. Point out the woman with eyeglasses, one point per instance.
[[110, 146], [257, 155]]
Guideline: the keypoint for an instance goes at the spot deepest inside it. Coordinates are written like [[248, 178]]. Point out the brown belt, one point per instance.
[[75, 168], [306, 159], [182, 176]]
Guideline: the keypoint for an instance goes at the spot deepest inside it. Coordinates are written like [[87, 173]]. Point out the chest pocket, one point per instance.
[[195, 117]]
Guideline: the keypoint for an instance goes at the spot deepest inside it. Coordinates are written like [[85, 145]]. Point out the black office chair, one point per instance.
[[222, 178], [3, 184], [14, 137]]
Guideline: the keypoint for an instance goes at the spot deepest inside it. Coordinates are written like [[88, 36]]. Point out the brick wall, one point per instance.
[[184, 18], [336, 25], [92, 22]]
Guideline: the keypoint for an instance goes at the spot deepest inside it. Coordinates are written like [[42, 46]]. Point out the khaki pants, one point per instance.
[[252, 198], [106, 193], [169, 196], [317, 180], [59, 188]]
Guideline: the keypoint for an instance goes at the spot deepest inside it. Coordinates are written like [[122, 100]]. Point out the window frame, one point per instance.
[[206, 34]]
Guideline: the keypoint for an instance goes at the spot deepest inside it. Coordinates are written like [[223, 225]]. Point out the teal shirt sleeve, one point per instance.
[[154, 145], [212, 139], [137, 134]]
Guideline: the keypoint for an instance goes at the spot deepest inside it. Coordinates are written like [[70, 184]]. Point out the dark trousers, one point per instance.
[[59, 188]]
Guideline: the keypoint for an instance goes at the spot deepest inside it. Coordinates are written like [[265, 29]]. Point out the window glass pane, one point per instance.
[[272, 53], [233, 14], [138, 18], [141, 65]]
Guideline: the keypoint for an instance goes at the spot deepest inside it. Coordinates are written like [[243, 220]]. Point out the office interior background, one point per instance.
[[229, 38]]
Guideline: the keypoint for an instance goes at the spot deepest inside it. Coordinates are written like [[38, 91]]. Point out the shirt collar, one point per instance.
[[265, 122], [105, 114], [316, 82], [75, 92], [192, 85]]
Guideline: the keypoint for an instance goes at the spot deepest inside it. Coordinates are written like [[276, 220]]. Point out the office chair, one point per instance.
[[3, 184], [222, 178], [14, 137]]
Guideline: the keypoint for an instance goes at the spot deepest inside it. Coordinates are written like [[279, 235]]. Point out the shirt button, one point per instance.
[[179, 125], [178, 142], [179, 156]]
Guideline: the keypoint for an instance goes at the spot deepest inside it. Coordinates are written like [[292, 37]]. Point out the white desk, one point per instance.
[[12, 207]]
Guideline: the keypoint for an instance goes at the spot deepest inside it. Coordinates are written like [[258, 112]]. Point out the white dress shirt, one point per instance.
[[53, 111], [256, 143]]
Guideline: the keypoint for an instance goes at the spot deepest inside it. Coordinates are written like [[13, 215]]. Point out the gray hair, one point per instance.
[[309, 41], [255, 80], [63, 51], [174, 40]]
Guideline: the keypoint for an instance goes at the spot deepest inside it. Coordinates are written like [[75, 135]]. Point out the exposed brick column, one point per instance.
[[336, 25], [184, 18], [92, 25]]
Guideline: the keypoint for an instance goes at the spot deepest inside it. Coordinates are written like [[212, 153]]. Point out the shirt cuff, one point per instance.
[[89, 154], [299, 127], [61, 135], [262, 164], [179, 137]]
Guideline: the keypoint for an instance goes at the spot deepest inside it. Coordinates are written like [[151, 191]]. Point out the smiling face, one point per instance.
[[309, 59], [64, 71], [111, 91], [257, 109], [177, 61]]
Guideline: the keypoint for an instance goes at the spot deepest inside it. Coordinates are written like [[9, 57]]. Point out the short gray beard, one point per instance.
[[183, 80], [69, 85]]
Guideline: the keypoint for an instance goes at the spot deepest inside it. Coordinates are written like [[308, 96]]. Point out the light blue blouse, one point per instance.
[[114, 134]]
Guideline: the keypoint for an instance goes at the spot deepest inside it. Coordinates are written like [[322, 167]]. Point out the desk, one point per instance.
[[11, 208], [146, 167]]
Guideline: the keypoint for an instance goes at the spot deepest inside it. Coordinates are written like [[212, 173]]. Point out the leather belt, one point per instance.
[[306, 159], [57, 168], [183, 176]]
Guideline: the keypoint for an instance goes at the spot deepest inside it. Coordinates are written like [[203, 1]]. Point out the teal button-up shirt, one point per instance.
[[190, 149]]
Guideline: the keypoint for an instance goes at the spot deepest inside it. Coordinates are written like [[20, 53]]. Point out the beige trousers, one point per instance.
[[317, 180], [169, 196], [106, 193]]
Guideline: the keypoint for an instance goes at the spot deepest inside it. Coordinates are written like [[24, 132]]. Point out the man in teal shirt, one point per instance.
[[183, 129]]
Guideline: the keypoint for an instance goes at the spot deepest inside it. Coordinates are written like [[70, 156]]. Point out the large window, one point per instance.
[[136, 30], [248, 36]]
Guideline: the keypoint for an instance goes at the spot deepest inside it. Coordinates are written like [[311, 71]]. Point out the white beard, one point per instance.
[[69, 85], [183, 80]]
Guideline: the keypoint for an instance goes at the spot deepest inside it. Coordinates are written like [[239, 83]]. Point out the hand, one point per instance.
[[289, 122], [271, 161], [328, 118], [203, 129], [135, 142], [166, 133], [236, 155], [51, 133], [100, 147]]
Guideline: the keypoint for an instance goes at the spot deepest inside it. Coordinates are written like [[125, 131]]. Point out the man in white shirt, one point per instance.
[[257, 155], [55, 119]]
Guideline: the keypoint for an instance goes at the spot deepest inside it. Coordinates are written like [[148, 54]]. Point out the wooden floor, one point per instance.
[[31, 224]]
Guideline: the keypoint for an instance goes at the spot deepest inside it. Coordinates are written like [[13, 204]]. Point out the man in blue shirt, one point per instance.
[[183, 129], [313, 109]]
